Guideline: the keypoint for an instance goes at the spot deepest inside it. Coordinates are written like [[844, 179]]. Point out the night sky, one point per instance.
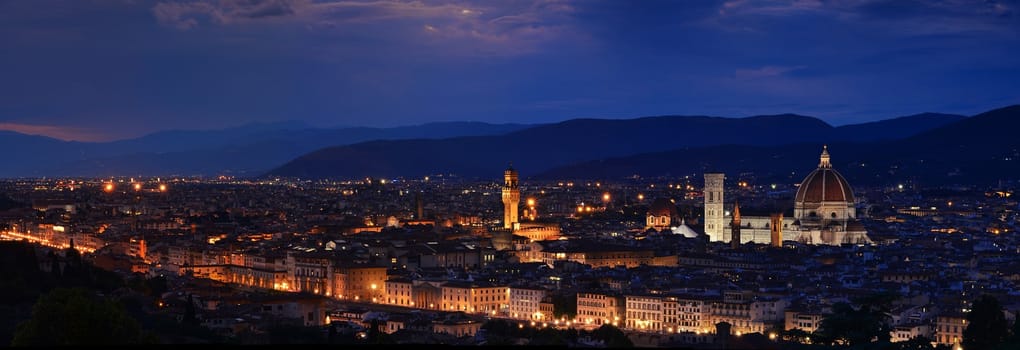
[[109, 69]]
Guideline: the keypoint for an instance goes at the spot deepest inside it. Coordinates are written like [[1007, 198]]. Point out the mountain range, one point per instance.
[[578, 147], [981, 149], [244, 151], [928, 147]]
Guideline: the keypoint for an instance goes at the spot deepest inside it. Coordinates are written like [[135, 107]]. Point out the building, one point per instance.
[[949, 329], [475, 297], [824, 212], [526, 304], [596, 309], [511, 198], [714, 212], [805, 320], [644, 313], [690, 313], [660, 215], [361, 282], [747, 312], [399, 291], [533, 230], [595, 254]]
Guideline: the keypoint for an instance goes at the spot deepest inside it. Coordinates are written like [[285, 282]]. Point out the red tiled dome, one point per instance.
[[662, 207], [824, 185]]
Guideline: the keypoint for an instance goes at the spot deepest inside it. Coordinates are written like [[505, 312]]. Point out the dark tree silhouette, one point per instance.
[[565, 305], [612, 336], [986, 325], [1014, 338], [855, 326], [189, 312], [75, 317], [916, 343]]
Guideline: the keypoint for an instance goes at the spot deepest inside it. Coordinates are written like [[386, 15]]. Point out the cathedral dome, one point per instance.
[[824, 184], [662, 207]]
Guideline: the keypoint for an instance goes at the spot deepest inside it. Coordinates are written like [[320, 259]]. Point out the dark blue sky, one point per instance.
[[103, 69]]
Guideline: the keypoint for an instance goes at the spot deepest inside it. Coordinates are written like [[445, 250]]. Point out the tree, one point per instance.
[[189, 311], [613, 337], [916, 343], [73, 316], [1014, 338], [855, 326], [548, 337], [565, 305], [986, 325]]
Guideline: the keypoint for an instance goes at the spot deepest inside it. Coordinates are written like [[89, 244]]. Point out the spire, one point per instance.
[[736, 212], [824, 163]]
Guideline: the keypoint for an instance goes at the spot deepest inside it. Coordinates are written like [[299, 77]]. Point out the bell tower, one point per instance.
[[511, 198], [714, 206]]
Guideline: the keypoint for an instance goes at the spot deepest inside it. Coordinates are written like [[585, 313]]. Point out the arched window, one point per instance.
[[833, 215]]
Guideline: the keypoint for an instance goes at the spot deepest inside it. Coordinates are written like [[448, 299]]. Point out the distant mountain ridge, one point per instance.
[[982, 149], [545, 147], [246, 150]]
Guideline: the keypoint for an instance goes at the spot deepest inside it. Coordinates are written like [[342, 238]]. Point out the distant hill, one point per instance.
[[246, 150], [546, 147], [978, 150], [895, 128]]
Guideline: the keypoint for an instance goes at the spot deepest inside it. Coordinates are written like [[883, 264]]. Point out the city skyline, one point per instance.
[[717, 174]]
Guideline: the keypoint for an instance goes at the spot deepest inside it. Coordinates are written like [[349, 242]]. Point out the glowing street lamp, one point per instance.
[[138, 186], [108, 187]]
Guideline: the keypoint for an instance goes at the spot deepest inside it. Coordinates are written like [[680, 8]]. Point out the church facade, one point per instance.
[[824, 212]]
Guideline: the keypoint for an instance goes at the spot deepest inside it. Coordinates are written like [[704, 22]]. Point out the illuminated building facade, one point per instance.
[[596, 309], [949, 329], [807, 321], [359, 282], [475, 297], [660, 214], [714, 222], [824, 212], [690, 313], [511, 198], [525, 304], [644, 313], [399, 291]]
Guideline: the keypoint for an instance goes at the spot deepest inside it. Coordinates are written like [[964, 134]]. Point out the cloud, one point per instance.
[[486, 28], [186, 15], [897, 17], [57, 132]]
